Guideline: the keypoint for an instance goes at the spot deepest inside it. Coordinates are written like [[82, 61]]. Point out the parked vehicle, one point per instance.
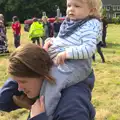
[[28, 22]]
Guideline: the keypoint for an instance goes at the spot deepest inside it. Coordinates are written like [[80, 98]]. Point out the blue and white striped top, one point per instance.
[[82, 43], [80, 46]]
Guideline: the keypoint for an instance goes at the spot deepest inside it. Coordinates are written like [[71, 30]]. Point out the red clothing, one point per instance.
[[16, 28]]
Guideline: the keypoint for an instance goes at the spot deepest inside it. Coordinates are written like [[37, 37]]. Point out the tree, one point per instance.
[[25, 9]]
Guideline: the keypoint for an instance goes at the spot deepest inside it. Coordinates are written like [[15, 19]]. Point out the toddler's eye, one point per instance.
[[68, 5], [77, 6]]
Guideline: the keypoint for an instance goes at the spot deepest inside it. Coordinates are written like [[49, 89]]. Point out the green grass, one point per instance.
[[106, 93]]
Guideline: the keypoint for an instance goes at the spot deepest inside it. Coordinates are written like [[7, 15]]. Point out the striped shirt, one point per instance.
[[80, 46], [82, 43]]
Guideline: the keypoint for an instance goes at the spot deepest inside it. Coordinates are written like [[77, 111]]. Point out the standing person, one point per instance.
[[47, 27], [3, 38], [104, 32], [100, 52], [2, 17], [36, 31], [16, 27], [56, 26], [4, 22], [3, 35]]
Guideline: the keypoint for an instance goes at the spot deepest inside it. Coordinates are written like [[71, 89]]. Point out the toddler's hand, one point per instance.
[[48, 43], [60, 58], [23, 101], [38, 107]]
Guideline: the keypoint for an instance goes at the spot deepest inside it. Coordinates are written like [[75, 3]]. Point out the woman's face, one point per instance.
[[30, 86]]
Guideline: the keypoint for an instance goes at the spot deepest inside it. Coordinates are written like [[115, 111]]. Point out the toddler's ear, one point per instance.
[[92, 11]]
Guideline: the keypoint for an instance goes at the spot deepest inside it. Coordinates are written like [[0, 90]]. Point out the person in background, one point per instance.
[[56, 26], [16, 27], [105, 25], [47, 27], [2, 29], [3, 38], [100, 52], [32, 77], [4, 22], [36, 31]]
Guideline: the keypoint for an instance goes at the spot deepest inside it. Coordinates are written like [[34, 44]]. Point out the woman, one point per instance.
[[31, 70], [47, 28]]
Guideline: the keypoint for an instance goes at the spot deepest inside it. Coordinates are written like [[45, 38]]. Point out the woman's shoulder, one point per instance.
[[74, 99]]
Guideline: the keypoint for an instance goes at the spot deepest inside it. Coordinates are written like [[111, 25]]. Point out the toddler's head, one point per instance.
[[79, 9]]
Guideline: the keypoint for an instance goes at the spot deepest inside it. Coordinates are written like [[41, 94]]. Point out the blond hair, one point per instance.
[[97, 6]]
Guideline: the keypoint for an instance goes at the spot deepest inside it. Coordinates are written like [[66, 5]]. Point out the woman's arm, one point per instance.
[[7, 91]]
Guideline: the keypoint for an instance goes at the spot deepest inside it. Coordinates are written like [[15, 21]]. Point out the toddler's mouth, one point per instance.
[[71, 14]]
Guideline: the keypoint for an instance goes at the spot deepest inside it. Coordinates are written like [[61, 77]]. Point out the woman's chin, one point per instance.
[[31, 96]]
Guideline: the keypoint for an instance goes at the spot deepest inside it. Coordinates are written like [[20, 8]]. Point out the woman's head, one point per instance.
[[79, 9], [57, 19], [29, 65], [1, 17], [44, 18], [15, 18]]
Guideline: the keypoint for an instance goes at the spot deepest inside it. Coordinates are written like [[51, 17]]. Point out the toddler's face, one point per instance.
[[77, 9]]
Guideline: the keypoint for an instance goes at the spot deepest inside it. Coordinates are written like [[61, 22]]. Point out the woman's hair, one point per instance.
[[30, 61], [97, 6]]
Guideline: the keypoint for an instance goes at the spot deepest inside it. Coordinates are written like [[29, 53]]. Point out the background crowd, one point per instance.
[[39, 30]]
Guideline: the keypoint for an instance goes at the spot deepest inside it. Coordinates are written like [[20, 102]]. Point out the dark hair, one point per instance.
[[35, 19], [30, 61], [15, 18]]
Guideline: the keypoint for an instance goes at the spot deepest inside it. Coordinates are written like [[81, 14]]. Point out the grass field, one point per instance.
[[106, 93]]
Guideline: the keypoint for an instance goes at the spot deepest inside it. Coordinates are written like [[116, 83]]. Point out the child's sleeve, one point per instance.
[[89, 38], [9, 89]]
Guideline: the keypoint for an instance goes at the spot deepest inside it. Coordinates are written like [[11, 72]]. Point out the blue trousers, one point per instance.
[[16, 40]]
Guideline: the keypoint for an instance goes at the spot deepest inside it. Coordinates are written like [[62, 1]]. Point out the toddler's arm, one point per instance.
[[89, 38], [48, 43]]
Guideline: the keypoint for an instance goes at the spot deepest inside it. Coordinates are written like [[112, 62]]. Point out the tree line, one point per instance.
[[25, 9]]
